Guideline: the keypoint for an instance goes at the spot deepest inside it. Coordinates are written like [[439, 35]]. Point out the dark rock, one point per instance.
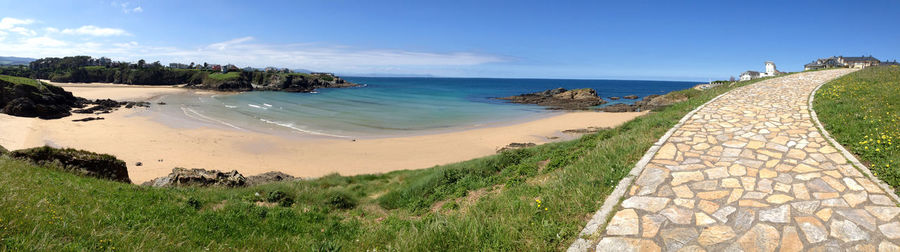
[[23, 107], [513, 146], [560, 98], [614, 98], [138, 164], [161, 103], [78, 161], [88, 119], [101, 107], [45, 102], [199, 177], [630, 97], [268, 177], [136, 104]]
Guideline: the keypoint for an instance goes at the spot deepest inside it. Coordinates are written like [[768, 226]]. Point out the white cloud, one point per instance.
[[13, 25], [95, 31], [243, 51], [126, 8], [44, 41], [224, 45]]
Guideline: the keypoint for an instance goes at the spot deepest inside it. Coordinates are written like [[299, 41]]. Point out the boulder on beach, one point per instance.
[[269, 177], [199, 177], [78, 161], [614, 98], [560, 98]]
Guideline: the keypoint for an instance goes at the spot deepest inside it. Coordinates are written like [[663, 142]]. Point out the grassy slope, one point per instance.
[[502, 202], [21, 81], [862, 111]]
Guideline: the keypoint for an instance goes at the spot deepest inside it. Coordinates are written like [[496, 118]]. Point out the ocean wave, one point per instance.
[[267, 105], [229, 106], [256, 106], [291, 126], [196, 115]]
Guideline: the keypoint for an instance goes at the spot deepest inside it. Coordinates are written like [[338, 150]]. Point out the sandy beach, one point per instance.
[[135, 137]]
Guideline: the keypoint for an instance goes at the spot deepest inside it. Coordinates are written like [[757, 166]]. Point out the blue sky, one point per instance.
[[663, 40]]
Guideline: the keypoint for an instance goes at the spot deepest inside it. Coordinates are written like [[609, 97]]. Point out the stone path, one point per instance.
[[750, 172]]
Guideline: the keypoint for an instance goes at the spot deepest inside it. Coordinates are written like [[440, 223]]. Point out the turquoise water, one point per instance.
[[389, 106]]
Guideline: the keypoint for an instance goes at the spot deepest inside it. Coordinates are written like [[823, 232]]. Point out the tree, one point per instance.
[[141, 63], [191, 66]]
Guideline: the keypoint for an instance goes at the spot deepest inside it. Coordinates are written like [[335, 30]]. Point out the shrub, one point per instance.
[[340, 200]]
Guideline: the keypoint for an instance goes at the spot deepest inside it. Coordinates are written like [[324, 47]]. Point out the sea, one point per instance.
[[385, 107]]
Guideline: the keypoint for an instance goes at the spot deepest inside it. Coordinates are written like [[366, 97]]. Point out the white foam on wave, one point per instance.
[[267, 105], [256, 106], [196, 115], [291, 126], [229, 106]]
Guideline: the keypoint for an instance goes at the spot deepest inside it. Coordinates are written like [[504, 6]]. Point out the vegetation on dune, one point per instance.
[[536, 198], [862, 111]]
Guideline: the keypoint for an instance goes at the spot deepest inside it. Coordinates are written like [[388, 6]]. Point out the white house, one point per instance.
[[770, 71]]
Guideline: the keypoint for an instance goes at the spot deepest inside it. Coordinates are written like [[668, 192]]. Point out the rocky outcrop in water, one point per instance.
[[77, 161], [560, 98], [302, 83]]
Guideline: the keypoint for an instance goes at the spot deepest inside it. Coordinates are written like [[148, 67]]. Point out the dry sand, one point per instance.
[[135, 137]]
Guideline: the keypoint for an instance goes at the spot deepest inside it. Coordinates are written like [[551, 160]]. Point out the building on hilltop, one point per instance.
[[771, 70], [841, 61]]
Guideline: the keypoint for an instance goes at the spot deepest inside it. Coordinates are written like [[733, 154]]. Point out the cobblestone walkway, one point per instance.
[[750, 172]]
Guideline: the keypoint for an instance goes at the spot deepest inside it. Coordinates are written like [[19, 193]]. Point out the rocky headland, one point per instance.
[[261, 81], [30, 98], [560, 98]]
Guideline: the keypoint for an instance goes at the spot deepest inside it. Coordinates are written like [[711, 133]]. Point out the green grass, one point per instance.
[[225, 76], [22, 81], [862, 111], [530, 199]]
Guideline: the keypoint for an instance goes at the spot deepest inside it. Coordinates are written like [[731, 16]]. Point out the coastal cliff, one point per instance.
[[84, 69], [262, 81]]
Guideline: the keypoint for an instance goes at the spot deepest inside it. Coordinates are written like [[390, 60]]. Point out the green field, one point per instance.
[[530, 199], [225, 76], [862, 111]]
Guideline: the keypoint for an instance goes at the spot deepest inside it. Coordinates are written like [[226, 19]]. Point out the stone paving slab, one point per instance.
[[750, 172]]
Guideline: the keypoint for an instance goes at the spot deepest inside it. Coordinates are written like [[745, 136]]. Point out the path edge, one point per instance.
[[849, 156], [600, 217]]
